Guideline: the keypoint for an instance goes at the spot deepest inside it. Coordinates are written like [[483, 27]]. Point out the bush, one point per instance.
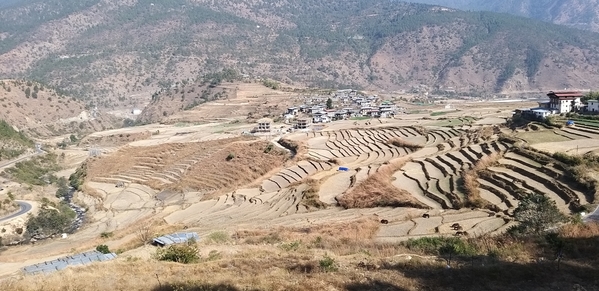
[[568, 159], [327, 264], [183, 253], [536, 213], [441, 246], [103, 249], [230, 156]]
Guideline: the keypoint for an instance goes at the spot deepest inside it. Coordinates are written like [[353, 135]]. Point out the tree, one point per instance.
[[329, 103], [51, 221], [27, 92], [592, 95], [536, 213]]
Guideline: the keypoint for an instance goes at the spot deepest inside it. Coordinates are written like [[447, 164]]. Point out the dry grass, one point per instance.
[[299, 149], [310, 197], [378, 191], [215, 166], [399, 142], [470, 183], [115, 139], [290, 259]]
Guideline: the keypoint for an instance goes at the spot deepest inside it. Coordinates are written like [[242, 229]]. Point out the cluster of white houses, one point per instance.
[[560, 102], [350, 104]]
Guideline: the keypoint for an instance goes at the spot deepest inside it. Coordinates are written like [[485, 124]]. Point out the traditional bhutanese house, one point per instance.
[[564, 101]]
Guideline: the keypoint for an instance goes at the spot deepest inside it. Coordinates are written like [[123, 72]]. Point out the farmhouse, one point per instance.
[[563, 101], [559, 102], [593, 106]]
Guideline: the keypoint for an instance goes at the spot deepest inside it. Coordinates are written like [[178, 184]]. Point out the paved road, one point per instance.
[[25, 207]]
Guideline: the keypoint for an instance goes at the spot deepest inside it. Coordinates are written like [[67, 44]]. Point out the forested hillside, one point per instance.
[[583, 14], [114, 51]]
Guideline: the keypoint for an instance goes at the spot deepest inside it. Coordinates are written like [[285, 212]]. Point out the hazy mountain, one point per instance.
[[115, 51], [583, 14]]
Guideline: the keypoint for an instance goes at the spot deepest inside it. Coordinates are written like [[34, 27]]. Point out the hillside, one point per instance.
[[13, 143], [582, 14], [129, 50], [37, 110]]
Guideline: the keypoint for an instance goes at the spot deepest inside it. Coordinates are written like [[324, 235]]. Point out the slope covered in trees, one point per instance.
[[114, 50], [583, 14]]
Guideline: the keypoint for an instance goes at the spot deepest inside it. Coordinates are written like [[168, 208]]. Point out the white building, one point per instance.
[[593, 106]]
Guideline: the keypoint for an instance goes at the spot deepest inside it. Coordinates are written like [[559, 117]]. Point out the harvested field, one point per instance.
[[211, 167]]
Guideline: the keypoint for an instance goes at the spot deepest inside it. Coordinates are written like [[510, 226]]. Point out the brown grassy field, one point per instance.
[[333, 258], [215, 166], [377, 191]]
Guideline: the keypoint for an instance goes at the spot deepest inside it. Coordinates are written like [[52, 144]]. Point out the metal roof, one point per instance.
[[74, 260], [176, 238]]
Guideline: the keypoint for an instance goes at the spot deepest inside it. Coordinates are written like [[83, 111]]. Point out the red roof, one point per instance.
[[565, 94]]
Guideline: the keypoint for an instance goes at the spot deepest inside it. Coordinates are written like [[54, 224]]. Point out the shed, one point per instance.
[[175, 238]]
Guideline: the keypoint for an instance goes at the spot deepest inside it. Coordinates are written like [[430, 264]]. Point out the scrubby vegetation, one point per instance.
[[35, 171], [179, 253], [51, 219], [12, 142], [399, 142]]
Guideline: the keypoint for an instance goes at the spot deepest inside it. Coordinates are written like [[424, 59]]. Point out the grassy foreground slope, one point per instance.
[[341, 257]]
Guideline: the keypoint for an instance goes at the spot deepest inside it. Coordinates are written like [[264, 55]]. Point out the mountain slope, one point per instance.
[[114, 51], [39, 111], [583, 14]]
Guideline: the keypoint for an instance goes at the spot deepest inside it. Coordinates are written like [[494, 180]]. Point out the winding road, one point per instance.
[[25, 207]]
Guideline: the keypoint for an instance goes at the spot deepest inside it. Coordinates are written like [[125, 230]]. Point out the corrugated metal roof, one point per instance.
[[74, 260], [176, 238]]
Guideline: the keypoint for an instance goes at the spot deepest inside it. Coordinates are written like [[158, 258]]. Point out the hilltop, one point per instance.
[[128, 51]]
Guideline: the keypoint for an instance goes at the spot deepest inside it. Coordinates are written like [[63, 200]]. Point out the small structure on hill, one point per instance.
[[175, 238], [264, 125], [62, 263]]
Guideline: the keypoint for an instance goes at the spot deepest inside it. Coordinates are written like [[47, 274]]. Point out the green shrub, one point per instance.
[[103, 249], [327, 264], [292, 246], [568, 159], [441, 246], [230, 156], [182, 253]]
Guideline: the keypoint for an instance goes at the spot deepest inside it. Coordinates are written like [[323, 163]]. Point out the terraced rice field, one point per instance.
[[433, 160]]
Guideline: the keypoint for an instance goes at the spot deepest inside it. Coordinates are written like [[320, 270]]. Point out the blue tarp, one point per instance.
[[570, 122], [343, 169]]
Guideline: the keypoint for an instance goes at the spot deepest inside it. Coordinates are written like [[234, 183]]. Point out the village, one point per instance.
[[316, 111]]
